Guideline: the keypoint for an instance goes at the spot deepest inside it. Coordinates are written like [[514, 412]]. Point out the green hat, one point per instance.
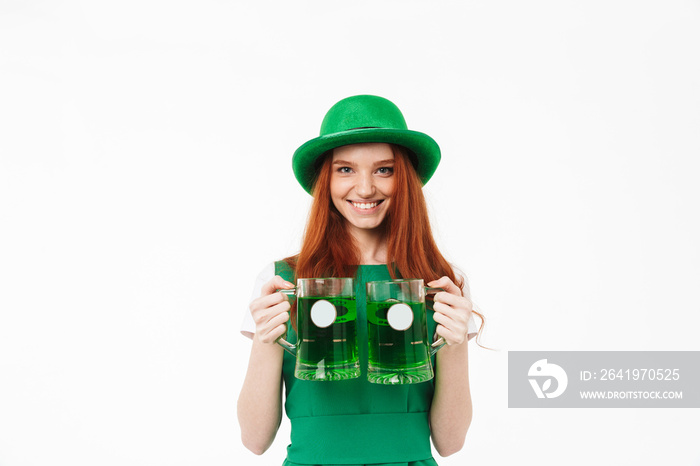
[[365, 118]]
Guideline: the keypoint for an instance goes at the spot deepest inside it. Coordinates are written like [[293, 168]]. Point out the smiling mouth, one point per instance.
[[366, 205]]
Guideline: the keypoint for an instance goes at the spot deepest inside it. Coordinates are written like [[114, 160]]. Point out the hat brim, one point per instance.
[[422, 146]]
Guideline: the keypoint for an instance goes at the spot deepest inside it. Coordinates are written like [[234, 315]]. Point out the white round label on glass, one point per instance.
[[323, 313], [400, 316]]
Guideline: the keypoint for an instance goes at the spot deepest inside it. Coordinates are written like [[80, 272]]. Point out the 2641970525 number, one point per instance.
[[639, 374]]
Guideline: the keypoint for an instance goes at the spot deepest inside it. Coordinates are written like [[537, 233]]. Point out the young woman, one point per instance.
[[369, 221]]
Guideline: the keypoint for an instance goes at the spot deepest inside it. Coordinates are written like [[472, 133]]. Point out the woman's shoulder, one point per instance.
[[285, 265]]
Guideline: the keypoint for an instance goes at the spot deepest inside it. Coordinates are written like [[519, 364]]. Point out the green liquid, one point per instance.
[[328, 353], [394, 350]]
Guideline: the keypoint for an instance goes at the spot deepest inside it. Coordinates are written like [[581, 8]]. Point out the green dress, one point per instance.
[[354, 422]]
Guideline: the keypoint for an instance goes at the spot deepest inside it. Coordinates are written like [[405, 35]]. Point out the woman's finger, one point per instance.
[[276, 283], [452, 299], [271, 327], [262, 316], [446, 284], [266, 301], [271, 330], [448, 318], [455, 313], [451, 337], [273, 335], [442, 316]]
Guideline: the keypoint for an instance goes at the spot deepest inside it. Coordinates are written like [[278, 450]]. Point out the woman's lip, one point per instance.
[[365, 211]]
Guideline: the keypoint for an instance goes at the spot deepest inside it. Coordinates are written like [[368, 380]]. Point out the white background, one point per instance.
[[145, 179]]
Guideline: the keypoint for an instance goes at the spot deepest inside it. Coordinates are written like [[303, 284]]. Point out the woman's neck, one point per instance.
[[372, 246]]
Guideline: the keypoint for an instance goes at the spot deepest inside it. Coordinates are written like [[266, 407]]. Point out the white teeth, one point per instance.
[[363, 205]]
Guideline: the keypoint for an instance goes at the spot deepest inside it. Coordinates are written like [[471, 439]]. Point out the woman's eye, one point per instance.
[[344, 170], [386, 170]]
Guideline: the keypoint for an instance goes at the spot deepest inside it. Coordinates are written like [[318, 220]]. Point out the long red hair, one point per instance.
[[328, 249]]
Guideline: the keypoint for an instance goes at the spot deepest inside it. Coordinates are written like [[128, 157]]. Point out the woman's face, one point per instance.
[[362, 182]]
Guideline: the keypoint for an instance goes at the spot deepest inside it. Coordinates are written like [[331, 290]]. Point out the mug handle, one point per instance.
[[288, 347], [440, 342]]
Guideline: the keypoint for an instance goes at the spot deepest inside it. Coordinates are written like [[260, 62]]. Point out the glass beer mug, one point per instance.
[[397, 324], [326, 327]]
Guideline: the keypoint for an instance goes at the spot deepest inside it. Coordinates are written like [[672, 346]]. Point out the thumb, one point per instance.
[[446, 284], [276, 283]]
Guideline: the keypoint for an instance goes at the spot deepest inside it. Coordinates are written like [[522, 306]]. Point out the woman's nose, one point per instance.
[[365, 185]]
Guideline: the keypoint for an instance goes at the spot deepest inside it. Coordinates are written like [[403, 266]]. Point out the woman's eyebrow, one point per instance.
[[380, 162], [385, 162]]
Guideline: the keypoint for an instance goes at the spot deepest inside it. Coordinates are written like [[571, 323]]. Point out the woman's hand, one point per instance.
[[260, 401], [451, 409], [271, 310], [452, 312]]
